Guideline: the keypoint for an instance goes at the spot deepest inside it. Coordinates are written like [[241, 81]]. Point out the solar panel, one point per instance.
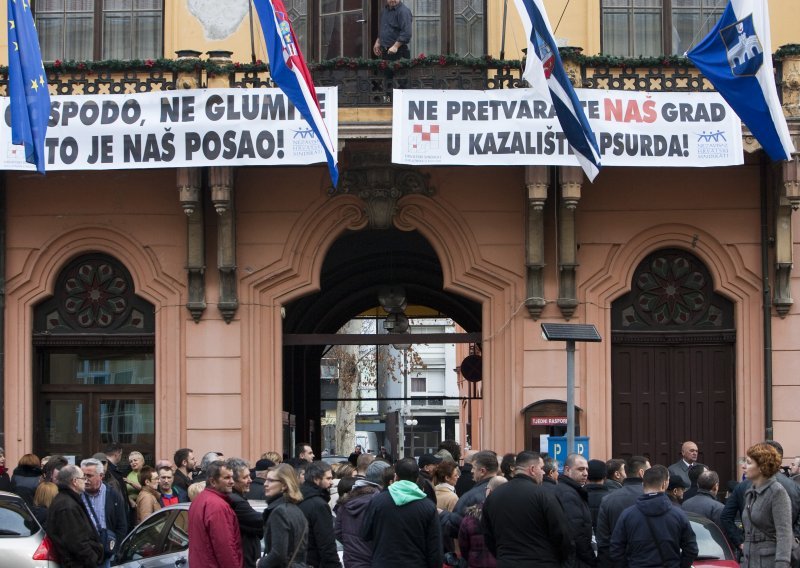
[[570, 332]]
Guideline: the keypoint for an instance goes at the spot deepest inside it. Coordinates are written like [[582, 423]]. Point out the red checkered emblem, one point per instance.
[[423, 137]]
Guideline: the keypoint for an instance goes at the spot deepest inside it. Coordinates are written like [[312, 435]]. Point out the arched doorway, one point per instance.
[[94, 362], [673, 364], [357, 266]]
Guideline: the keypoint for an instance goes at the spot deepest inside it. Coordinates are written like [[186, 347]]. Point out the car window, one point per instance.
[[710, 542], [178, 535], [16, 520], [146, 540]]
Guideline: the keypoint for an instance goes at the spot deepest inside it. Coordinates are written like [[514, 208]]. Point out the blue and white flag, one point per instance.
[[289, 71], [27, 84], [545, 73], [736, 56]]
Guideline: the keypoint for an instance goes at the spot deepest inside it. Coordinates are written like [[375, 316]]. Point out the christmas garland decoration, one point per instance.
[[215, 67]]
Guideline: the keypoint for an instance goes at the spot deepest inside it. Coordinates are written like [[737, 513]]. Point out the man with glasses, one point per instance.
[[105, 505], [69, 526]]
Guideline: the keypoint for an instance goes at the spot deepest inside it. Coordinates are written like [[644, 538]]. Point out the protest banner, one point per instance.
[[511, 127], [187, 128]]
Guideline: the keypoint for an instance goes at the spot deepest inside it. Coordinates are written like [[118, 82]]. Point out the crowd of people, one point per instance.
[[481, 511]]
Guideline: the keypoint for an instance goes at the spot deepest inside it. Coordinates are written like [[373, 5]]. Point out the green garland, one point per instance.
[[189, 65]]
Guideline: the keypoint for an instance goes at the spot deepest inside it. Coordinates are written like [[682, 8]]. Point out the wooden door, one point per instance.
[[673, 365]]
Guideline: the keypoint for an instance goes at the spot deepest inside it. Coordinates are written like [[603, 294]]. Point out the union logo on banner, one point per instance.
[[745, 54], [423, 138]]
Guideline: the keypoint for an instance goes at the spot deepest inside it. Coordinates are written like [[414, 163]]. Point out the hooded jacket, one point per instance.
[[349, 517], [402, 518], [633, 543], [321, 542]]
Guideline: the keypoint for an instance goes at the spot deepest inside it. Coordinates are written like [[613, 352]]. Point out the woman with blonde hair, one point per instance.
[[286, 530], [767, 514], [136, 460], [274, 457], [45, 492]]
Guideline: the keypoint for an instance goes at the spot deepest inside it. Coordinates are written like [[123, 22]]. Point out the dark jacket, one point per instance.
[[525, 526], [451, 520], [321, 542], [471, 542], [634, 544], [251, 528], [183, 481], [596, 493], [575, 502], [72, 532], [5, 481], [612, 485], [285, 535], [24, 482], [402, 536], [705, 504], [256, 492], [116, 514], [550, 486], [349, 516], [610, 510], [466, 481]]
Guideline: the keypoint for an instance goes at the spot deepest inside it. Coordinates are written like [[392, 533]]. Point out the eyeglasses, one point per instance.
[[81, 478]]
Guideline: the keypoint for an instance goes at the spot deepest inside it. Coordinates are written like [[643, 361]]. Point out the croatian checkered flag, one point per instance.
[[545, 73]]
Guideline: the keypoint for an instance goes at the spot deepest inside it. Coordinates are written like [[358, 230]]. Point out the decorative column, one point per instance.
[[190, 193], [788, 201], [220, 180], [537, 181], [570, 178], [191, 198]]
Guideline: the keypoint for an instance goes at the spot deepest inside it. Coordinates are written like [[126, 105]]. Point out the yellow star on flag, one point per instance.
[[16, 46], [34, 85], [13, 25]]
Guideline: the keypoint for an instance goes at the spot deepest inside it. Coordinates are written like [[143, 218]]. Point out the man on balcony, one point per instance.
[[395, 31]]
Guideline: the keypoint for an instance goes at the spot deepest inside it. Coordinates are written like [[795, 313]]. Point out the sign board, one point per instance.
[[548, 421], [174, 129], [557, 448], [511, 127]]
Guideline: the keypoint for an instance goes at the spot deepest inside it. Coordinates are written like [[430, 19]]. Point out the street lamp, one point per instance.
[[412, 422], [570, 332]]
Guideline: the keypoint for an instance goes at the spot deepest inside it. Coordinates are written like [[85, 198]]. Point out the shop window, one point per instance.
[[100, 29], [94, 362], [633, 28]]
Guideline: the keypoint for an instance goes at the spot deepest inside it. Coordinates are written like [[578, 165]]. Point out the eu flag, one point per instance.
[[27, 84], [736, 57]]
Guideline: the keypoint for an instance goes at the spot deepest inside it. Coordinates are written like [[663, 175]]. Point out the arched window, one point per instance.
[[94, 372]]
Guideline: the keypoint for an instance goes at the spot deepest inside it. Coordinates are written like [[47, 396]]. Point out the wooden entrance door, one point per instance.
[[673, 365]]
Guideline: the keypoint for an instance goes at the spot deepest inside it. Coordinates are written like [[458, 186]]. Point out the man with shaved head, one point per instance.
[[681, 467]]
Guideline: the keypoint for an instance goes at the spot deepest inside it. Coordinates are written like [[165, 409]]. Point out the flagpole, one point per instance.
[[503, 34], [252, 36]]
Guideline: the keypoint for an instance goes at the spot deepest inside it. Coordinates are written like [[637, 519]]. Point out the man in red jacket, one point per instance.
[[214, 540]]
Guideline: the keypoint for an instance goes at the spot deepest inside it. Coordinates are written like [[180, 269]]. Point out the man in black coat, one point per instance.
[[251, 523], [322, 551], [575, 501], [523, 525], [705, 501], [466, 481], [401, 523], [612, 506], [69, 527], [596, 487]]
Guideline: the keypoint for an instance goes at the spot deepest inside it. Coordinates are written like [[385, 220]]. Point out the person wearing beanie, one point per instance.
[[256, 491], [596, 487]]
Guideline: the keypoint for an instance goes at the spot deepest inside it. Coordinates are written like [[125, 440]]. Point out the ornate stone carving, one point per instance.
[[788, 201], [790, 85], [571, 179], [380, 184]]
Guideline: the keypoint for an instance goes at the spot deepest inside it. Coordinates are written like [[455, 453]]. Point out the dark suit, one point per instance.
[[680, 469]]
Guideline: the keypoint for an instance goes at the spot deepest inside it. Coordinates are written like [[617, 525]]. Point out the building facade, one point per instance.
[[173, 307]]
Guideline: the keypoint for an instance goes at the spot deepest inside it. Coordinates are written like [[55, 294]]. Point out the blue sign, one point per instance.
[[557, 449]]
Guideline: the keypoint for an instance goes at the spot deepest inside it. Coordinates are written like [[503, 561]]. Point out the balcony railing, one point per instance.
[[369, 82]]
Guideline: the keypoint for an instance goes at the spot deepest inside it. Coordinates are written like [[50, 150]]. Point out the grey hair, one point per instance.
[[236, 465], [210, 457], [67, 473], [89, 462]]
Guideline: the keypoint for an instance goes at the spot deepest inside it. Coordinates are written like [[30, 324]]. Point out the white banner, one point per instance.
[[170, 129], [510, 127]]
